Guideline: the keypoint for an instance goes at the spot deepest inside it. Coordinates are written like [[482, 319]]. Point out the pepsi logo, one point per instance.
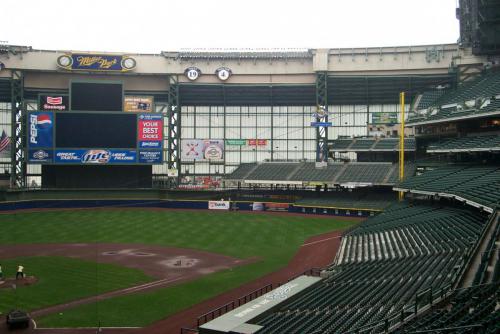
[[96, 157], [43, 121], [39, 122]]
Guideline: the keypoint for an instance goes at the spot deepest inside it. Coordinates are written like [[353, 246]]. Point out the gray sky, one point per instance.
[[151, 26]]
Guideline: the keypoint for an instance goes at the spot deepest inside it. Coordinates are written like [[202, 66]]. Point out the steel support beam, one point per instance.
[[174, 121], [321, 116], [18, 170]]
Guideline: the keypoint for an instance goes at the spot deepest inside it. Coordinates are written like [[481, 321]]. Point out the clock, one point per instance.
[[65, 61], [128, 63]]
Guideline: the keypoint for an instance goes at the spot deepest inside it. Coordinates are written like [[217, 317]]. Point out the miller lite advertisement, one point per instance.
[[53, 102], [95, 157], [40, 133]]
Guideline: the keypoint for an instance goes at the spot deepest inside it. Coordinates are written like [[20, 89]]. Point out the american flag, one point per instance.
[[4, 142]]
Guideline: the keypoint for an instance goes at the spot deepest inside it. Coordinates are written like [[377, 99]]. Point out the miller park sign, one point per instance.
[[96, 62]]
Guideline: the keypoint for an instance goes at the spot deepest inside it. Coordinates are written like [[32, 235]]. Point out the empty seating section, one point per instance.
[[242, 171], [480, 184], [429, 98], [341, 144], [372, 144], [369, 172], [409, 171], [362, 144], [387, 144], [471, 310], [273, 171], [308, 172], [485, 87], [334, 173], [475, 143], [381, 265], [349, 200]]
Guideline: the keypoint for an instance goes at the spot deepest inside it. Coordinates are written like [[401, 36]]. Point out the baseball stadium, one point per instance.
[[266, 191]]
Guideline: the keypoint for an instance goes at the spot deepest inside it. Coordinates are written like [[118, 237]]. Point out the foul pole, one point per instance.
[[402, 142]]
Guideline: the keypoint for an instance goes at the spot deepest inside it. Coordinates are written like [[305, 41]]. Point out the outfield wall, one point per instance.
[[9, 206]]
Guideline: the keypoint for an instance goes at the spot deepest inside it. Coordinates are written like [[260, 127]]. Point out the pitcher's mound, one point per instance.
[[8, 283]]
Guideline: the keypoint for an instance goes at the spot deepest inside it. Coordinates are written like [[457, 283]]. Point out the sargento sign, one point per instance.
[[53, 102], [96, 62]]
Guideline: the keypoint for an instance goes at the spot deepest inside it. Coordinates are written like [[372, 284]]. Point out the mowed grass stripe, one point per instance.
[[234, 234], [62, 279], [273, 239]]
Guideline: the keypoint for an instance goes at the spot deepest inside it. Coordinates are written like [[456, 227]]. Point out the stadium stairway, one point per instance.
[[476, 272]]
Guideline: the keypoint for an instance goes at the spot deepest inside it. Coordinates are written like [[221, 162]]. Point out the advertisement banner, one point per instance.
[[150, 131], [53, 102], [218, 205], [138, 103], [40, 125], [257, 142], [98, 157], [258, 206], [202, 149], [236, 142], [270, 206], [172, 172], [321, 124], [96, 62], [385, 118], [40, 156], [150, 157]]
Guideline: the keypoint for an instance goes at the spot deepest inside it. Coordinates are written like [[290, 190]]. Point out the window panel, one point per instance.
[[187, 132], [217, 133], [248, 133], [232, 157], [233, 133], [202, 133]]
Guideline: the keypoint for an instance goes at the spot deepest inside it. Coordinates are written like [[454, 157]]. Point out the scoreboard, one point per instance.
[[98, 138]]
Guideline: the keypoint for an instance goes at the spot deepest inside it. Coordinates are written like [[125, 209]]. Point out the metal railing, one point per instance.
[[204, 318]]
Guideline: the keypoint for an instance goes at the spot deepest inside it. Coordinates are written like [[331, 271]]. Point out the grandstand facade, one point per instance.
[[272, 126], [273, 106]]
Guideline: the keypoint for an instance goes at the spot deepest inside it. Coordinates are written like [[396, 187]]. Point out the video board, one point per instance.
[[94, 138]]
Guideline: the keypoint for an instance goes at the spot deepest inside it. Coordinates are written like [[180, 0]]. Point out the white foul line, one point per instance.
[[318, 241]]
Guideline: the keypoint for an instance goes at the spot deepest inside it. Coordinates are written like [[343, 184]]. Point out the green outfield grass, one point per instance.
[[273, 239], [61, 280]]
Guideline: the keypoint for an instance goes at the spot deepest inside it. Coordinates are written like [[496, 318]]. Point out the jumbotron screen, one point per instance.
[[93, 96], [94, 138], [96, 130]]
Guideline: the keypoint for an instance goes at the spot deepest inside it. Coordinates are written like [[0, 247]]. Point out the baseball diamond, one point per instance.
[[250, 191]]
